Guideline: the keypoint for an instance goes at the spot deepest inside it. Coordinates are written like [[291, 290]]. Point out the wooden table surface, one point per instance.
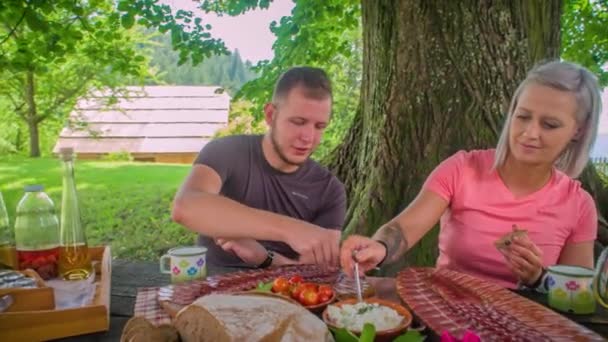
[[127, 276]]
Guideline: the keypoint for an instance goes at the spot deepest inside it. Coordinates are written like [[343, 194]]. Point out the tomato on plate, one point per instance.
[[296, 290], [312, 286], [296, 279], [326, 290], [280, 285], [323, 298], [309, 297]]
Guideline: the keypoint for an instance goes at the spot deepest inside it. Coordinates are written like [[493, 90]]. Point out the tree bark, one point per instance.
[[31, 116], [437, 78]]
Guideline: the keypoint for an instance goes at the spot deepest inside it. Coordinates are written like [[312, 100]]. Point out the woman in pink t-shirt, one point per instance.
[[527, 182]]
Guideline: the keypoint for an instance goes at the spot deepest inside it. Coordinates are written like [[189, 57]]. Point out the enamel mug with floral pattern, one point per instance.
[[570, 289], [185, 263]]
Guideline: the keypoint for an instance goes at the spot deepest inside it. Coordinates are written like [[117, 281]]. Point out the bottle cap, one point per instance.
[[34, 188], [66, 153]]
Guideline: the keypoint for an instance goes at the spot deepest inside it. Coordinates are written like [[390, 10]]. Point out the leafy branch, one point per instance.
[[12, 31]]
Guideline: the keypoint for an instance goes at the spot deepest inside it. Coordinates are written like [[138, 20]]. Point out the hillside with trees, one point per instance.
[[228, 71]]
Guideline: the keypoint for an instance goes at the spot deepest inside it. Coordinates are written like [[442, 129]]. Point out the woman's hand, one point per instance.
[[369, 253], [524, 259]]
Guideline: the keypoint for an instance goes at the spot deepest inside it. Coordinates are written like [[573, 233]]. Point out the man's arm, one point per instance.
[[407, 228], [252, 252], [199, 207]]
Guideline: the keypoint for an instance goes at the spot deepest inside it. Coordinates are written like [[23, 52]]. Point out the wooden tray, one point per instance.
[[446, 300], [27, 299], [37, 325]]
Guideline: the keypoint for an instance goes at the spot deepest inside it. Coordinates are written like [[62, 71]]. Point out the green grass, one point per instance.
[[124, 204]]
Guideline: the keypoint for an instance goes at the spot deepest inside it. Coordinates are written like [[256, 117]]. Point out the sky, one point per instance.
[[249, 32]]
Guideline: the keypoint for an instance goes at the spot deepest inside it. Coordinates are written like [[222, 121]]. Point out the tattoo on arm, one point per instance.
[[396, 243]]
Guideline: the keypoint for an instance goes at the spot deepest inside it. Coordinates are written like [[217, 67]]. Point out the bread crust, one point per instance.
[[248, 317]]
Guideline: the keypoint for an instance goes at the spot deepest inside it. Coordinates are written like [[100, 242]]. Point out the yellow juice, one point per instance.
[[74, 262], [8, 256]]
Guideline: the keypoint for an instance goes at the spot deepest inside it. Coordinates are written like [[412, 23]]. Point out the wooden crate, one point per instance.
[[39, 325], [39, 298]]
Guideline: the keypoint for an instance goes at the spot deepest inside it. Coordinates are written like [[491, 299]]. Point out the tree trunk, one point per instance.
[[18, 139], [31, 115], [437, 78]]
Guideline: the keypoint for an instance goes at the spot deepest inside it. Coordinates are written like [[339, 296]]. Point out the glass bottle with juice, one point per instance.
[[37, 233], [8, 256], [74, 257]]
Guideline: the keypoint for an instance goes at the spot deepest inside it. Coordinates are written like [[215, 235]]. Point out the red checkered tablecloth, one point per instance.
[[147, 306]]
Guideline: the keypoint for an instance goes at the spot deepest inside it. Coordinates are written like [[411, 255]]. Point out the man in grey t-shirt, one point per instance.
[[260, 200]]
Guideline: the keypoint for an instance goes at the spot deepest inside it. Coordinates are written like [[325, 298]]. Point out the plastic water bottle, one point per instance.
[[37, 233]]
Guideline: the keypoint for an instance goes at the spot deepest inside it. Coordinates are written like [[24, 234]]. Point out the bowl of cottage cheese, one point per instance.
[[390, 319]]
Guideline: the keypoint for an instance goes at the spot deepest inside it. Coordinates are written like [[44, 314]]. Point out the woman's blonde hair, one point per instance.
[[563, 76]]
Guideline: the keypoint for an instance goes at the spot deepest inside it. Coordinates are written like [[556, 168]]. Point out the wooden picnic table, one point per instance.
[[127, 276]]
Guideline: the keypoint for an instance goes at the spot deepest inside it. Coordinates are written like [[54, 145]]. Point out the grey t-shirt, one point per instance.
[[311, 193]]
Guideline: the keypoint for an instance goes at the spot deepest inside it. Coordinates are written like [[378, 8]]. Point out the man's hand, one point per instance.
[[248, 250], [316, 246]]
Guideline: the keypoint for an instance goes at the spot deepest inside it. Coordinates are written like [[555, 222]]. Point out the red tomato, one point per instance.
[[326, 290], [280, 284], [296, 279], [296, 290], [311, 286], [309, 297], [323, 298]]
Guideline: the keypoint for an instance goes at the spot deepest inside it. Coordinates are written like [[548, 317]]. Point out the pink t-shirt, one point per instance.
[[482, 209]]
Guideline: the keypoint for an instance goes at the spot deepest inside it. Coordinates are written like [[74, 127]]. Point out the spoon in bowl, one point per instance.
[[357, 280]]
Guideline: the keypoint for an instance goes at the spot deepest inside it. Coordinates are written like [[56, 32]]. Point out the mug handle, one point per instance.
[[165, 264], [596, 279]]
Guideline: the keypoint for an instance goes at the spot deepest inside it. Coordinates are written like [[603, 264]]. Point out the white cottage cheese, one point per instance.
[[353, 317]]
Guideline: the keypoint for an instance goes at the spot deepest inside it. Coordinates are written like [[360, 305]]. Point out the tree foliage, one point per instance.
[[189, 35], [53, 52], [585, 35]]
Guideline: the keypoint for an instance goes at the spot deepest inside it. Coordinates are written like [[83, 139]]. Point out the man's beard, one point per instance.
[[279, 151]]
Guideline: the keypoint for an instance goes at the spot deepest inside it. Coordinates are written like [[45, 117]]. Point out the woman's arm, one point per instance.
[[407, 228], [577, 254]]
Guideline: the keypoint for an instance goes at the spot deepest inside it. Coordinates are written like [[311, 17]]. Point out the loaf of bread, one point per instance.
[[248, 317], [139, 329]]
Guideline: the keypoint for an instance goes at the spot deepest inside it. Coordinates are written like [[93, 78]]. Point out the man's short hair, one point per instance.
[[314, 82]]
